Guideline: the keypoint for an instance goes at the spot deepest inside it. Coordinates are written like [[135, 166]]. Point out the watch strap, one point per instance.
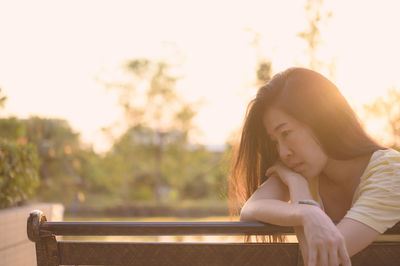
[[309, 202]]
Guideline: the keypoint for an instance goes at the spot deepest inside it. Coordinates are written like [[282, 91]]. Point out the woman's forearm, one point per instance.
[[272, 211], [277, 211]]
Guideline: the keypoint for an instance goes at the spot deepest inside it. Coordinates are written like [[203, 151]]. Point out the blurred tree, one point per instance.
[[3, 99], [18, 172], [160, 163], [57, 147], [316, 18], [12, 128], [56, 144], [18, 164], [188, 171], [264, 66], [264, 72], [388, 108]]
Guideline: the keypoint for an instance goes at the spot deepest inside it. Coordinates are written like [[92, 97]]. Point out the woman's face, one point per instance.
[[297, 146]]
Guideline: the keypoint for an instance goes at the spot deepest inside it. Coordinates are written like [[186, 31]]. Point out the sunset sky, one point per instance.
[[54, 55]]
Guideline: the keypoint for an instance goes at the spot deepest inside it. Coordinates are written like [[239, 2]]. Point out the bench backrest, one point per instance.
[[51, 252]]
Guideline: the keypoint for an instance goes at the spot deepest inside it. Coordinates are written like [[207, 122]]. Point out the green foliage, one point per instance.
[[264, 66], [388, 108], [18, 172], [162, 165], [151, 99], [3, 99], [12, 128], [187, 171], [264, 72], [58, 148], [317, 18], [152, 162]]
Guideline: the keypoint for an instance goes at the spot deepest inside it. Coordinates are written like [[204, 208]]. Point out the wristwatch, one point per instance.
[[309, 202]]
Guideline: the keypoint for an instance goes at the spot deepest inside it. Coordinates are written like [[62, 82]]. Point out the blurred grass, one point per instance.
[[115, 208], [107, 201]]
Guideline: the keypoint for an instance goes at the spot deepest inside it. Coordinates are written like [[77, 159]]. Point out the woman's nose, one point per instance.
[[284, 151]]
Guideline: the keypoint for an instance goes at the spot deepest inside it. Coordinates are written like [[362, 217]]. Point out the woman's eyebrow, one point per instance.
[[279, 126]]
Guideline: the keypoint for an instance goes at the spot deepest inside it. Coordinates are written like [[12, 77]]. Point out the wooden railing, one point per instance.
[[51, 252]]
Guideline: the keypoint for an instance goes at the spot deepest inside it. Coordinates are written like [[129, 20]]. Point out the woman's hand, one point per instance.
[[325, 243], [286, 174]]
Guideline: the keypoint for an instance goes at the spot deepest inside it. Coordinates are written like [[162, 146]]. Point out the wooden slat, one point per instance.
[[177, 254], [117, 253], [378, 253], [162, 228], [113, 253], [395, 230]]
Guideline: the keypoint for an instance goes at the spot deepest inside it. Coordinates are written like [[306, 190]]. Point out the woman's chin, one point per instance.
[[310, 177], [307, 175]]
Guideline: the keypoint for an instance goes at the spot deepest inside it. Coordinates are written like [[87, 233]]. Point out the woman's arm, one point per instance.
[[320, 240], [269, 204], [356, 234]]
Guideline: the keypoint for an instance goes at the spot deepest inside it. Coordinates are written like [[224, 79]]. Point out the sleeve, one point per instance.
[[378, 197]]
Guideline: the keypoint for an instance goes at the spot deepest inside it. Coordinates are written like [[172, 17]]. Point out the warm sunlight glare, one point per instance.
[[58, 53]]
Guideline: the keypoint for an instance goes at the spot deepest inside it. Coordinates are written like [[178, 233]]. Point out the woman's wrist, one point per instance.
[[307, 213], [298, 189], [296, 179], [309, 202]]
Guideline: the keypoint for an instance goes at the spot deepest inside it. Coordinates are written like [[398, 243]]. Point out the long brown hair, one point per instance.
[[310, 98]]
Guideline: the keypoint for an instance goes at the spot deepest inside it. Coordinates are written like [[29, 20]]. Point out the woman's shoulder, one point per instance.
[[376, 199], [383, 161], [389, 155]]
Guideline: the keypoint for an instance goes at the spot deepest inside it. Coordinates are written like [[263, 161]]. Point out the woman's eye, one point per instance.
[[285, 133]]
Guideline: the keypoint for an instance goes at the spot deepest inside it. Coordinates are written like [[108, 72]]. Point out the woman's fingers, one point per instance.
[[329, 253], [333, 257], [327, 257], [323, 256], [312, 256], [344, 255], [270, 171]]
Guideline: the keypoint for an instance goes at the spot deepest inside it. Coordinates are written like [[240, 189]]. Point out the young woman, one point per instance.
[[305, 161]]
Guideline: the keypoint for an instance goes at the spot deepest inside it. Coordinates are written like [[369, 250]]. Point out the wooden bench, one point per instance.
[[51, 252]]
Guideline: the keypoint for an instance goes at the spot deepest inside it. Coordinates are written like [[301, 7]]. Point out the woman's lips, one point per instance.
[[297, 167]]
